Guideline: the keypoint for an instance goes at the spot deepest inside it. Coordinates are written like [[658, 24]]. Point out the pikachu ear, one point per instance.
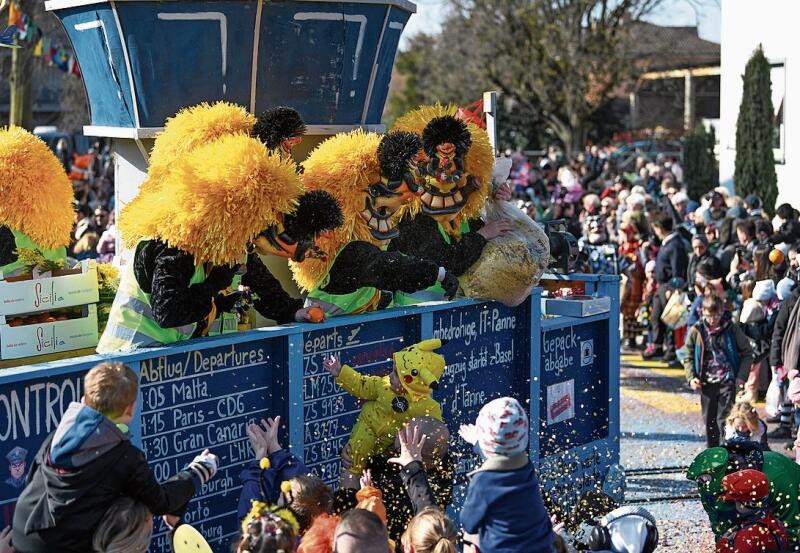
[[430, 345]]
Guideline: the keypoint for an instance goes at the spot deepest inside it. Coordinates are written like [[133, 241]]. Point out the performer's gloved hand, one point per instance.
[[225, 302], [450, 284], [221, 277], [204, 466]]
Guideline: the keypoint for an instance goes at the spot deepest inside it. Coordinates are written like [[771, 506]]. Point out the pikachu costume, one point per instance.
[[385, 412]]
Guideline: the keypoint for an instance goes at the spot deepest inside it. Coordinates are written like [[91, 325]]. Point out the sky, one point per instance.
[[671, 13]]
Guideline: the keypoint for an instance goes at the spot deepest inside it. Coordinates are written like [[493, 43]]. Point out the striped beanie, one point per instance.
[[502, 428]]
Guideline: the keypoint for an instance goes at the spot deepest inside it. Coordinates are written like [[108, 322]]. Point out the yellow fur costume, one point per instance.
[[36, 194], [344, 165], [218, 197], [418, 369], [192, 127], [478, 162]]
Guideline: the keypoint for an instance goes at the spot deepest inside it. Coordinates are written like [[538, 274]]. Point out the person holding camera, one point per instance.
[[671, 262]]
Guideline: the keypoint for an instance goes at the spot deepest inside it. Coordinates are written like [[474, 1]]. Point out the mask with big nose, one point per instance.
[[294, 237], [396, 185], [446, 188]]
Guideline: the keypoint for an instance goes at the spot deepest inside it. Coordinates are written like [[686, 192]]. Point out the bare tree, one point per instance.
[[561, 59]]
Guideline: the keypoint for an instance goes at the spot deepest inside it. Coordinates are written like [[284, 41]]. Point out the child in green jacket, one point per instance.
[[718, 358]]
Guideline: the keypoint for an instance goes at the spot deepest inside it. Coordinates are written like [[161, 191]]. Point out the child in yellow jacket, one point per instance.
[[391, 401]]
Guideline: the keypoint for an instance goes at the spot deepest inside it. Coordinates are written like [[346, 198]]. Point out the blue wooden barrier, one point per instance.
[[201, 394]]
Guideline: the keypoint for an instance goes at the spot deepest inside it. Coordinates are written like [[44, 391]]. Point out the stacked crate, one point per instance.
[[54, 313]]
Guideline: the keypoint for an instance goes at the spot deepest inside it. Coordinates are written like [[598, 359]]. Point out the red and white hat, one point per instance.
[[502, 427]]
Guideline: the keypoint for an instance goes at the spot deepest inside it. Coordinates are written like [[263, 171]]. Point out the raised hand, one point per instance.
[[411, 445], [332, 364], [272, 426], [469, 433], [258, 440]]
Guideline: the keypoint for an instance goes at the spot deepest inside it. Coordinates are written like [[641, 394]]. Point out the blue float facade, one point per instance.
[[143, 61], [203, 393]]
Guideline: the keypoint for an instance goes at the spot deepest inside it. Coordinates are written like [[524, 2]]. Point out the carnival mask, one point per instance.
[[446, 188], [294, 237], [396, 186], [595, 230], [280, 129]]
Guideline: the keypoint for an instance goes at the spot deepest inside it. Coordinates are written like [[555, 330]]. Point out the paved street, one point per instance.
[[661, 434]]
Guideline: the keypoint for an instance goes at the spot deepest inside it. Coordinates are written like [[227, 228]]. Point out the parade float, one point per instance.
[[331, 61]]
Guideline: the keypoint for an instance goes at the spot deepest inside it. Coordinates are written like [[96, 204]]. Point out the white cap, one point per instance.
[[764, 290], [785, 287], [752, 311], [680, 198], [634, 199]]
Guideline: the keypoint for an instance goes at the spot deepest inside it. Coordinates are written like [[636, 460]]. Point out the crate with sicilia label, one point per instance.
[[48, 313]]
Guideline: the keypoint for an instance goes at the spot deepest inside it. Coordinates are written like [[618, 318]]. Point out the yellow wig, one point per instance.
[[219, 196], [478, 162], [192, 127], [344, 165], [36, 193]]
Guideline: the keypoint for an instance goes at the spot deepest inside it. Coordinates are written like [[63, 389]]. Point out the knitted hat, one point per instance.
[[502, 427], [785, 287], [764, 290], [680, 198], [736, 213], [753, 201], [752, 311]]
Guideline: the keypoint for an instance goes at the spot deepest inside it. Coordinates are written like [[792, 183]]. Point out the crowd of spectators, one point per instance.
[[92, 176], [709, 282]]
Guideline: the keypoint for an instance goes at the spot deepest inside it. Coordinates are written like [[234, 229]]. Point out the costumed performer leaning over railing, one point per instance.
[[453, 170], [36, 213], [462, 218], [371, 177], [214, 193]]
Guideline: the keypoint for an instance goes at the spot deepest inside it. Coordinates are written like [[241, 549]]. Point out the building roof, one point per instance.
[[662, 48]]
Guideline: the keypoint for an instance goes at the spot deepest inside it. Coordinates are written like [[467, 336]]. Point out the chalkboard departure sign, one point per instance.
[[488, 356], [29, 412], [205, 399], [328, 411]]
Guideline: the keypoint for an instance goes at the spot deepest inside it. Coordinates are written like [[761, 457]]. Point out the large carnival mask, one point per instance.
[[395, 187], [280, 129], [446, 188], [295, 235], [595, 230]]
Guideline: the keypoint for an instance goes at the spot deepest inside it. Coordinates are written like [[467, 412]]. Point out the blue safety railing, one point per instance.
[[203, 393]]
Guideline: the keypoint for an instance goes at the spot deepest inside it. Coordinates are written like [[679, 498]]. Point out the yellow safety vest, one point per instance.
[[362, 300], [22, 241]]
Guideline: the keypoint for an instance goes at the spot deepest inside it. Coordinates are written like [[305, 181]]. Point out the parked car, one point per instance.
[[626, 153], [650, 148]]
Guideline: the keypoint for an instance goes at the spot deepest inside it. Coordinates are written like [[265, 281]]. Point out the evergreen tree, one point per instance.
[[700, 165], [755, 133]]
